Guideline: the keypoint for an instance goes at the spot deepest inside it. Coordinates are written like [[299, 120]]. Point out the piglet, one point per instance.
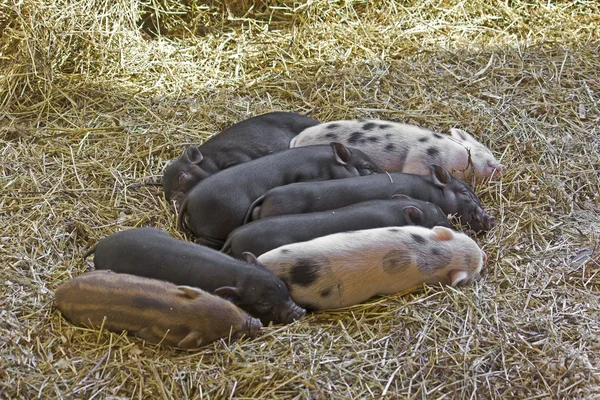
[[153, 310], [348, 268], [218, 204], [247, 140], [454, 196], [397, 147], [260, 236], [153, 253]]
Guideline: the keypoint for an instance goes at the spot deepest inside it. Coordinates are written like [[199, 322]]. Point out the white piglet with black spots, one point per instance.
[[348, 268], [397, 147]]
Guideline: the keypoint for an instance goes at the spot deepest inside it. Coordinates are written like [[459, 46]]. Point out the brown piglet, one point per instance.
[[158, 312]]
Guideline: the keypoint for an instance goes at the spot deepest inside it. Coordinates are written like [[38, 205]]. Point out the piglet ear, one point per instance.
[[190, 341], [442, 233], [439, 176], [413, 215], [401, 197], [230, 293], [250, 258], [341, 153], [193, 155], [190, 292], [457, 276], [462, 135]]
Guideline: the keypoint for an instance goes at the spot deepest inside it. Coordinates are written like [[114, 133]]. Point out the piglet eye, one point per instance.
[[263, 307], [368, 167], [181, 178]]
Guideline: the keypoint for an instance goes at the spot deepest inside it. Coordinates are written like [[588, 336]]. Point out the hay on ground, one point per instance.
[[95, 100]]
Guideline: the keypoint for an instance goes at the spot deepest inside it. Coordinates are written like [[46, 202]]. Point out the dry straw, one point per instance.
[[97, 96]]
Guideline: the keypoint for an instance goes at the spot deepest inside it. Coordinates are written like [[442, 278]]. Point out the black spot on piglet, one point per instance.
[[368, 126], [356, 137], [437, 136], [432, 152], [331, 136], [373, 139], [423, 139], [332, 126], [325, 292], [390, 147], [418, 238], [439, 258], [396, 261], [305, 272]]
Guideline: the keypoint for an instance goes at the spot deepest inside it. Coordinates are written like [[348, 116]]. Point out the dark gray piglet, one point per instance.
[[247, 140], [218, 204], [263, 235], [152, 253], [397, 147], [348, 268], [452, 195], [153, 310]]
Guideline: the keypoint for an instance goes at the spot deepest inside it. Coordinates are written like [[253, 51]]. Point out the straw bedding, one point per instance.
[[97, 96]]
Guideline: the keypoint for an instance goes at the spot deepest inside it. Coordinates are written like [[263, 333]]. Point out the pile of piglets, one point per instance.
[[290, 215]]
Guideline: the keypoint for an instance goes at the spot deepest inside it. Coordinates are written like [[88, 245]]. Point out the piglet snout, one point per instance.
[[482, 221], [495, 168], [295, 314], [488, 221], [253, 326]]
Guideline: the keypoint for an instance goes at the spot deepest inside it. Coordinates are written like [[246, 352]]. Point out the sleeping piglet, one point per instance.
[[218, 204], [263, 235], [153, 253], [247, 140], [348, 268], [452, 195], [397, 147], [153, 310]]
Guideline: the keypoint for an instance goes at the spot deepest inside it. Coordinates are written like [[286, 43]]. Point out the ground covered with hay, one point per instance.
[[96, 97]]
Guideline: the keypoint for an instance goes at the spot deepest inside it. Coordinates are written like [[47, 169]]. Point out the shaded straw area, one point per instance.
[[96, 97]]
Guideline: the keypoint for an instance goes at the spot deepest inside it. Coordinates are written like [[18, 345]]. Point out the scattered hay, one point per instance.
[[93, 106]]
